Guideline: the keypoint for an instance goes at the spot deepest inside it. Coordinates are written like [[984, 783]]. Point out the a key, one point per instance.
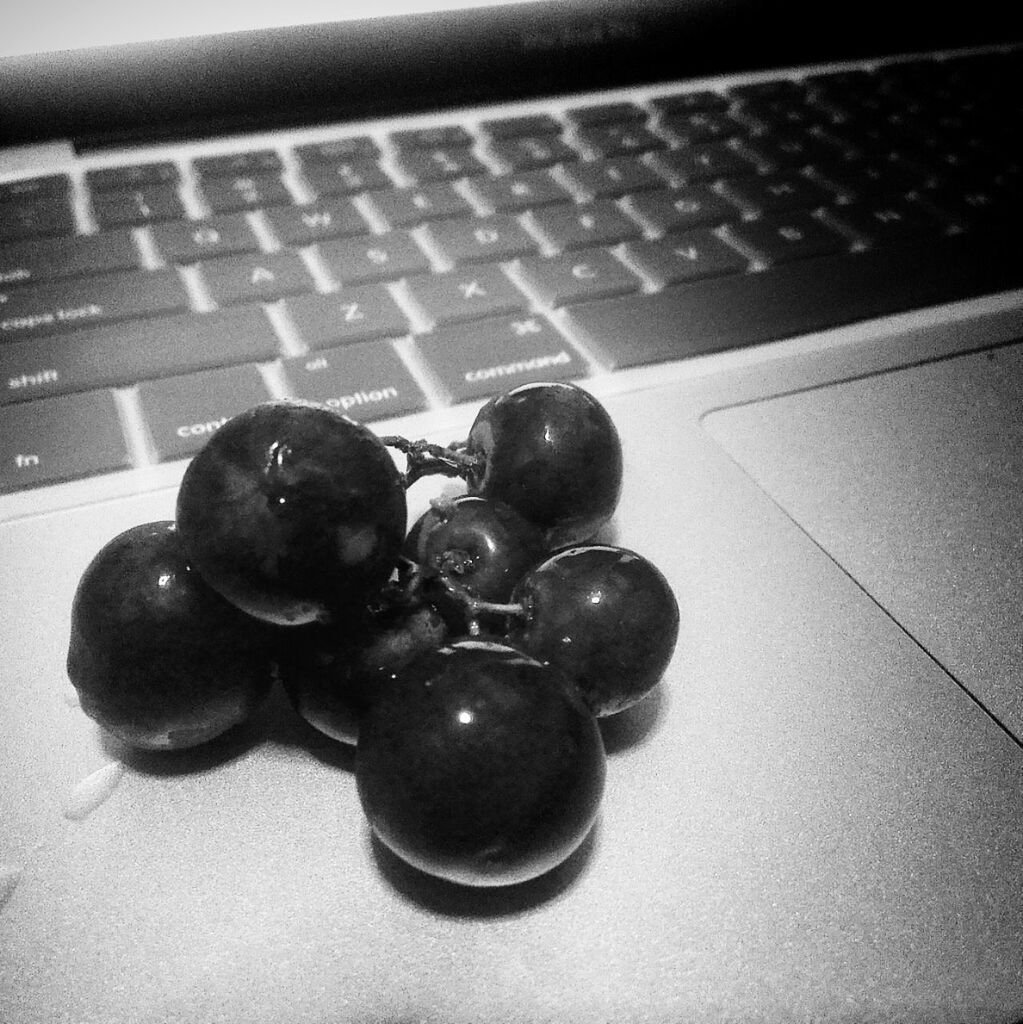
[[126, 353], [405, 207], [466, 293], [229, 194], [683, 208], [884, 221], [316, 221], [182, 413], [687, 102], [147, 204], [605, 113], [356, 313], [529, 151], [337, 150], [506, 193], [524, 124], [444, 136], [41, 259], [346, 177], [701, 126], [772, 193], [685, 257], [262, 277], [46, 186], [88, 301], [474, 239], [187, 241], [131, 176], [703, 161], [385, 257], [570, 226], [608, 140], [440, 164], [40, 216], [486, 357], [60, 439], [576, 277], [233, 165], [787, 236], [604, 179], [366, 381]]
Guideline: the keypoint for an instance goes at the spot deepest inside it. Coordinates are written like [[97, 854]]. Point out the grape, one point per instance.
[[605, 616], [331, 675], [481, 547], [480, 765], [158, 658], [293, 512], [552, 453]]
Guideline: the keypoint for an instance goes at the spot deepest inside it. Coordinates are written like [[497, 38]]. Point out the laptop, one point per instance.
[[780, 245]]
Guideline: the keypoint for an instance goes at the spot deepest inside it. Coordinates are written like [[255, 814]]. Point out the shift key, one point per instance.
[[60, 439], [182, 413], [89, 301]]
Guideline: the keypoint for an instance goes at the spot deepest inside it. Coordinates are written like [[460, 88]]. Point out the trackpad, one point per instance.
[[912, 481]]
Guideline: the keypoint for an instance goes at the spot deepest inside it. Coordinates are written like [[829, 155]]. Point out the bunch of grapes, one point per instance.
[[467, 659]]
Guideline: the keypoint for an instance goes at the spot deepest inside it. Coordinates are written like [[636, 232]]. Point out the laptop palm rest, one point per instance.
[[912, 481]]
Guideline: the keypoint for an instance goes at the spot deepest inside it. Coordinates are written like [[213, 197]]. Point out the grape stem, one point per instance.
[[425, 459], [475, 606]]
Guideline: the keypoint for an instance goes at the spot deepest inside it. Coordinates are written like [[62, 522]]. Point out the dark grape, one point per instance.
[[605, 616], [478, 764], [293, 512], [551, 452], [331, 675], [158, 658], [481, 547]]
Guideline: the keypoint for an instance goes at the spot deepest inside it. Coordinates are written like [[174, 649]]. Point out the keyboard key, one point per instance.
[[570, 226], [132, 176], [576, 277], [693, 127], [524, 124], [89, 301], [685, 257], [385, 257], [346, 177], [244, 192], [405, 207], [313, 222], [337, 150], [366, 382], [60, 439], [466, 293], [43, 216], [145, 205], [770, 193], [443, 164], [487, 357], [605, 113], [183, 412], [687, 102], [885, 221], [604, 179], [29, 189], [472, 239], [126, 353], [619, 139], [520, 191], [703, 161], [356, 313], [441, 137], [187, 241], [262, 277], [530, 151], [683, 208], [233, 165], [787, 236], [40, 259], [791, 298]]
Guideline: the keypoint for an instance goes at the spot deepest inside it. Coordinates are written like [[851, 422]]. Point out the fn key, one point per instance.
[[60, 439]]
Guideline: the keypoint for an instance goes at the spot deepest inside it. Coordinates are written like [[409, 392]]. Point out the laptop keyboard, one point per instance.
[[390, 275]]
